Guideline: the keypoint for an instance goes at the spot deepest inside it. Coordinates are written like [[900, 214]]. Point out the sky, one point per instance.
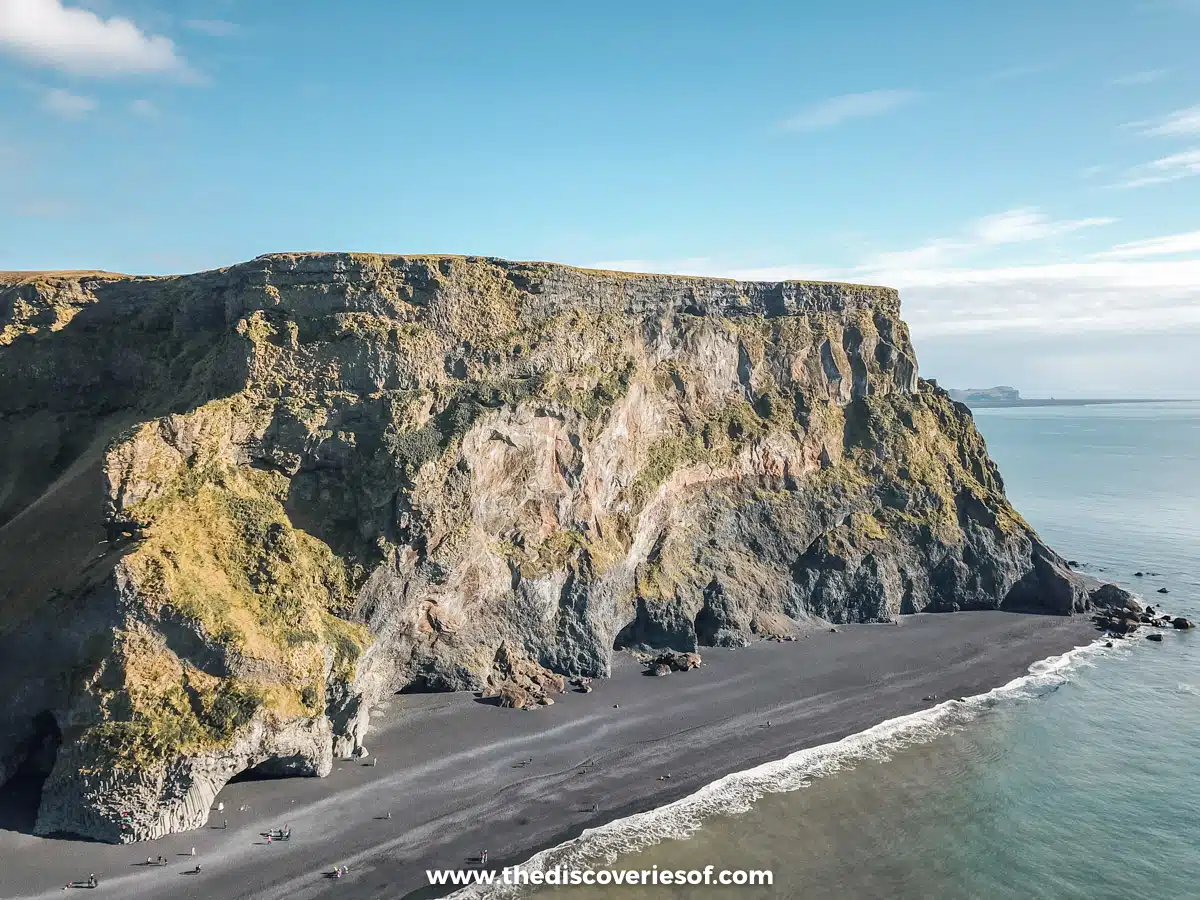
[[1026, 172]]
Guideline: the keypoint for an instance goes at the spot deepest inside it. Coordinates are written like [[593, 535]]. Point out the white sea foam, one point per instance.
[[736, 793]]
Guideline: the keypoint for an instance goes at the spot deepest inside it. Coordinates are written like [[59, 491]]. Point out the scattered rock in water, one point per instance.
[[1163, 591], [833, 630], [1139, 574], [1073, 563], [1182, 624], [1112, 597], [930, 698], [1108, 644], [1154, 636]]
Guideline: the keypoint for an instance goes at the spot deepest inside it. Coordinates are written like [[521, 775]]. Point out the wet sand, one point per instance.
[[448, 763]]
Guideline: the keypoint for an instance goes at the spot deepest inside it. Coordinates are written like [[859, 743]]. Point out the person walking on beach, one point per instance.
[[193, 851]]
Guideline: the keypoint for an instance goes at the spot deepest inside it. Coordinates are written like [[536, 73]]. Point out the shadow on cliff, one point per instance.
[[141, 350], [21, 795]]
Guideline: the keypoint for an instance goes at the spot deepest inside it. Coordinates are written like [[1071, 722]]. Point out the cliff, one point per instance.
[[237, 507]]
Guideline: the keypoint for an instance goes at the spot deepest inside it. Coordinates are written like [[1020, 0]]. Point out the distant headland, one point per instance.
[[1005, 396]]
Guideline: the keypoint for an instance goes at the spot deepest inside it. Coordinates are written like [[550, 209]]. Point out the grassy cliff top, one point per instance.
[[9, 279]]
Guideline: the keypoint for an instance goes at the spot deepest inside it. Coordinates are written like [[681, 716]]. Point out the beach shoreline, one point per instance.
[[449, 768]]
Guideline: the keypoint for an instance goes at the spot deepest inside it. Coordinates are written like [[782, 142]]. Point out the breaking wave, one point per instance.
[[737, 792]]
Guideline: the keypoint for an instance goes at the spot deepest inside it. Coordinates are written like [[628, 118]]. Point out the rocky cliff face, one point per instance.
[[237, 507]]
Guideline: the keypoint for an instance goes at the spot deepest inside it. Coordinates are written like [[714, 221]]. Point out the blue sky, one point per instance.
[[1028, 173]]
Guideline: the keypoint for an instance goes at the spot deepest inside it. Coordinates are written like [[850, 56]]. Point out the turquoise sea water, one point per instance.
[[1083, 782]]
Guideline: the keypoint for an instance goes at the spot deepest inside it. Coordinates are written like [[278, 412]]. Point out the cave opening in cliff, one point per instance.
[[21, 795], [265, 771]]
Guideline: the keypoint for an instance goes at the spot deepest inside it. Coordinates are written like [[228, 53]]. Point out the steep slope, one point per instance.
[[236, 507]]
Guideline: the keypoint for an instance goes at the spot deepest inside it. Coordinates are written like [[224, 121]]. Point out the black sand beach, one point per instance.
[[448, 763]]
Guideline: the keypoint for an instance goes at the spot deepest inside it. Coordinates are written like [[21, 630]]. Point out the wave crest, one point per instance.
[[737, 792]]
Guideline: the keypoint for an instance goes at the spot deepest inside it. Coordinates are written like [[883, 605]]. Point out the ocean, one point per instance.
[[1077, 781]]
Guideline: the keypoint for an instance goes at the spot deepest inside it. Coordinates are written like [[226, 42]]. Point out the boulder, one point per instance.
[[512, 697], [661, 669], [674, 662], [1182, 624], [1154, 636], [1163, 591], [1113, 597]]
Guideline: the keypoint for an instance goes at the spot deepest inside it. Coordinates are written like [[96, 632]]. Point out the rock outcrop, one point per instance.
[[238, 507]]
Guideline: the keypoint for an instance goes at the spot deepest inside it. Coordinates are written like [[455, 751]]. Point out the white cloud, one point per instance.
[[142, 107], [67, 105], [1181, 122], [1122, 290], [837, 110], [1163, 170], [214, 27], [1167, 245], [1134, 79], [79, 41], [1014, 226], [1028, 224]]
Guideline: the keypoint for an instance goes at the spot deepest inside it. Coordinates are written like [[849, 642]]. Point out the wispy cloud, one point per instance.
[[214, 27], [67, 105], [847, 107], [1135, 79], [1163, 170], [1166, 245], [1181, 122], [144, 108], [1126, 288], [77, 40], [1013, 226]]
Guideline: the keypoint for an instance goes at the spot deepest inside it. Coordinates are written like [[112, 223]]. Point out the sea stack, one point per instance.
[[240, 506]]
